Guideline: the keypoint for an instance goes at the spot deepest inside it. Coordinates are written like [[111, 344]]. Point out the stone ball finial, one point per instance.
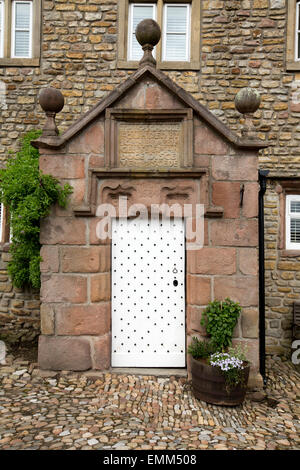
[[148, 32], [51, 100], [247, 101]]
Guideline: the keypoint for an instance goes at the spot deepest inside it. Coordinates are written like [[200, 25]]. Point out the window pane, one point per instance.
[[139, 13], [22, 16], [295, 206], [176, 47], [295, 230], [22, 44], [1, 27], [176, 19]]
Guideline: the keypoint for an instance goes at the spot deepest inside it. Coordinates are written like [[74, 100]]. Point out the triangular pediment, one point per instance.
[[178, 94]]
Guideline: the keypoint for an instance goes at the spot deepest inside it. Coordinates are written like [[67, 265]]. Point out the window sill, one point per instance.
[[125, 64], [9, 62], [292, 66], [290, 253]]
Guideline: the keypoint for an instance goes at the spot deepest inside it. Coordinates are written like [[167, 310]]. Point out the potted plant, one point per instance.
[[220, 372]]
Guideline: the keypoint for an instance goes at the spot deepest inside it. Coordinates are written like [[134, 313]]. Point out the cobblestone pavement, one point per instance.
[[68, 411]]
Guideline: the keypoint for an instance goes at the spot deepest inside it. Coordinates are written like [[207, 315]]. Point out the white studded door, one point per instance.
[[148, 293]]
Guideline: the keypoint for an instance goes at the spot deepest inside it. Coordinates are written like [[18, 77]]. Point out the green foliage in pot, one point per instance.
[[28, 194], [201, 349], [219, 319]]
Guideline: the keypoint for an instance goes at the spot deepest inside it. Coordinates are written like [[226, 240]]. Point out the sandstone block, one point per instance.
[[243, 168], [227, 195], [102, 352], [206, 142], [64, 353], [50, 258], [210, 260], [100, 287], [62, 166], [194, 315], [90, 141], [83, 319], [64, 288], [248, 261], [198, 290], [242, 289], [63, 230], [85, 260], [250, 322], [250, 200], [234, 232], [47, 319]]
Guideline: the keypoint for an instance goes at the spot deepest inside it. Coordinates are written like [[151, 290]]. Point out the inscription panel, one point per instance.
[[150, 145]]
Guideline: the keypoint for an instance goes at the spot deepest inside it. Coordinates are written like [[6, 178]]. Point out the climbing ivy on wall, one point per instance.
[[28, 194]]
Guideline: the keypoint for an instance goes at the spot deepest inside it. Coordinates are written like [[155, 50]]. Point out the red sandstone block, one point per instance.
[[207, 142], [64, 288], [83, 319], [234, 232], [93, 231], [242, 289], [100, 287], [63, 230], [157, 97], [198, 290], [250, 317], [248, 261], [227, 195], [250, 200], [239, 168], [50, 262], [91, 140], [63, 166], [96, 161], [194, 315], [85, 260], [64, 353], [210, 260], [102, 352]]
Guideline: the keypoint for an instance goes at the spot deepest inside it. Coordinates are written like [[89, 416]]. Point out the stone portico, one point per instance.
[[194, 159]]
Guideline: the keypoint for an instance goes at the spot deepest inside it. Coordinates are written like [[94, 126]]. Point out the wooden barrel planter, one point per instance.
[[209, 384]]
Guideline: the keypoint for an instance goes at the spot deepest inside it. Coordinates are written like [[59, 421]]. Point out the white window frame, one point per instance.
[[288, 217], [1, 222], [28, 2], [130, 24], [2, 8], [188, 31], [297, 32]]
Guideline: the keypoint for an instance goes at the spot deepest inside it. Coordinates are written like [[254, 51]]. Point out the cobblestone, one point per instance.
[[71, 411]]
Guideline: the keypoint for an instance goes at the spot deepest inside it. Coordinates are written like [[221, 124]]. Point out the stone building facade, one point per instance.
[[241, 43]]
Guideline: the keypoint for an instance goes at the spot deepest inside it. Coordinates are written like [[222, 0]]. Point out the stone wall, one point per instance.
[[242, 44], [19, 309]]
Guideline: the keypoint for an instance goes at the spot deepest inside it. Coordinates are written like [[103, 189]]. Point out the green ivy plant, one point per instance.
[[219, 319], [28, 194]]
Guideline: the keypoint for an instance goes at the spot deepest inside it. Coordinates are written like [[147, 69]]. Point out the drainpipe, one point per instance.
[[262, 336]]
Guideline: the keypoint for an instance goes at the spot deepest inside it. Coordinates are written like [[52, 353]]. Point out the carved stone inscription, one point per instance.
[[149, 145]]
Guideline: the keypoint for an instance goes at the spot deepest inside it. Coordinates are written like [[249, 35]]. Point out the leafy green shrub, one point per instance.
[[219, 319], [200, 349], [29, 195]]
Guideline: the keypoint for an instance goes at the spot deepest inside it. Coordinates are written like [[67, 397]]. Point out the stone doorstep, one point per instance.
[[114, 370]]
